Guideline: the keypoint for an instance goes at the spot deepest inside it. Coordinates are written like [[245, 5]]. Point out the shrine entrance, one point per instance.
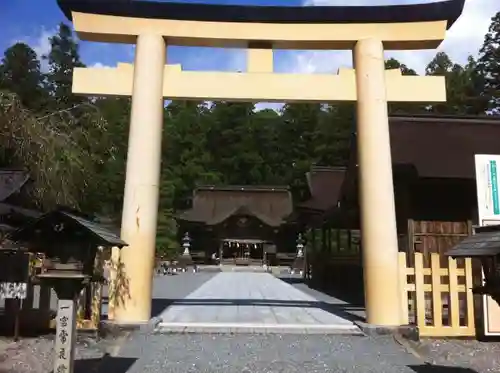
[[368, 31], [242, 252]]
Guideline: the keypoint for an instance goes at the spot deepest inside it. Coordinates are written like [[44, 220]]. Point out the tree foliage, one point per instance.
[[489, 65]]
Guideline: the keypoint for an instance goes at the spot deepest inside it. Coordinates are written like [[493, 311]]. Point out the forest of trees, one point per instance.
[[75, 147]]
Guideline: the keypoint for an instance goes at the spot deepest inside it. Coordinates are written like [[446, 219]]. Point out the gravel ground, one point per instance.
[[207, 353], [35, 355], [480, 357], [175, 353]]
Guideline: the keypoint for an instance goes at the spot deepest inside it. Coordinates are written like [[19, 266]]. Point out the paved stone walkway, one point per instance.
[[242, 302]]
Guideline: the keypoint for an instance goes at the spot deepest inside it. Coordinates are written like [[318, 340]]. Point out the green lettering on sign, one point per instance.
[[494, 187]]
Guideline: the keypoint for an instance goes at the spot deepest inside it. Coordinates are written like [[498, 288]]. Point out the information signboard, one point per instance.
[[488, 201]]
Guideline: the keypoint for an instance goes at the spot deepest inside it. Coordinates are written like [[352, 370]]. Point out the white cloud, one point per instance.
[[99, 65], [463, 39], [40, 43]]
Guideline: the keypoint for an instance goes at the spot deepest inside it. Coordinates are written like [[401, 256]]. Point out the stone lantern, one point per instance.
[[299, 262], [185, 259], [70, 243], [485, 246]]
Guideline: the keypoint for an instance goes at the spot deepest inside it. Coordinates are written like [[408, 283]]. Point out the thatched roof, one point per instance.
[[213, 205]]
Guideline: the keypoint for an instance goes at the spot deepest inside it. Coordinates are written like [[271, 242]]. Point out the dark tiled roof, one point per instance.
[[94, 232], [448, 10]]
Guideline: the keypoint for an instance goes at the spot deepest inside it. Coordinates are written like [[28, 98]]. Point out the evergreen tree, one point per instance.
[[20, 73], [63, 58], [463, 86], [299, 137], [489, 65]]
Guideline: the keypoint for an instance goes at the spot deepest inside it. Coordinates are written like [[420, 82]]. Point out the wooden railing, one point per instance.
[[437, 299]]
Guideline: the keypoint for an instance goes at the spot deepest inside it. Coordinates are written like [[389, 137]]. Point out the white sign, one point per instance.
[[64, 361], [488, 207], [488, 187], [13, 290]]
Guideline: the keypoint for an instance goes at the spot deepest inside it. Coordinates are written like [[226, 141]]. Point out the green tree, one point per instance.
[[231, 142], [489, 65], [463, 86], [393, 63], [63, 58], [20, 73], [111, 149], [299, 139], [335, 131], [48, 147]]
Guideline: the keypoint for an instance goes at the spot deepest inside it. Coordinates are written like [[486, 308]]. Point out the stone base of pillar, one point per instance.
[[405, 331], [116, 329]]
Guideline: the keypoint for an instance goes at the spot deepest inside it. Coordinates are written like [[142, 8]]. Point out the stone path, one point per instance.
[[242, 302]]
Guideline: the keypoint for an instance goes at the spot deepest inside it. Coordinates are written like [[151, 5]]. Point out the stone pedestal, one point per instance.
[[185, 261], [67, 287], [298, 265]]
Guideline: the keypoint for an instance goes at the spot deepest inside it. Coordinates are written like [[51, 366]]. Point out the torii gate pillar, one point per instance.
[[376, 190], [140, 204]]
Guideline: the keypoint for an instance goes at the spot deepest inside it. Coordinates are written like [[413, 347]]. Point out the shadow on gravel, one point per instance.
[[429, 368], [340, 310], [106, 364]]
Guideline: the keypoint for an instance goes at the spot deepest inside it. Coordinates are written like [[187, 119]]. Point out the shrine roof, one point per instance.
[[325, 184], [442, 146], [448, 10], [213, 205], [75, 222]]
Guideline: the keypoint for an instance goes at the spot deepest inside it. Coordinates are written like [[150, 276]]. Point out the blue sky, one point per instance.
[[33, 21]]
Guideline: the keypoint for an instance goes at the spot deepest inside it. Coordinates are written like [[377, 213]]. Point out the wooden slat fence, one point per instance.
[[437, 299]]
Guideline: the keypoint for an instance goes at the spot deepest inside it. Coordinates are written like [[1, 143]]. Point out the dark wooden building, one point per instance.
[[434, 177], [434, 180], [241, 224]]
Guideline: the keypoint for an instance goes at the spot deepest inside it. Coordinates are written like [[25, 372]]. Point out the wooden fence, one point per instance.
[[438, 299]]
